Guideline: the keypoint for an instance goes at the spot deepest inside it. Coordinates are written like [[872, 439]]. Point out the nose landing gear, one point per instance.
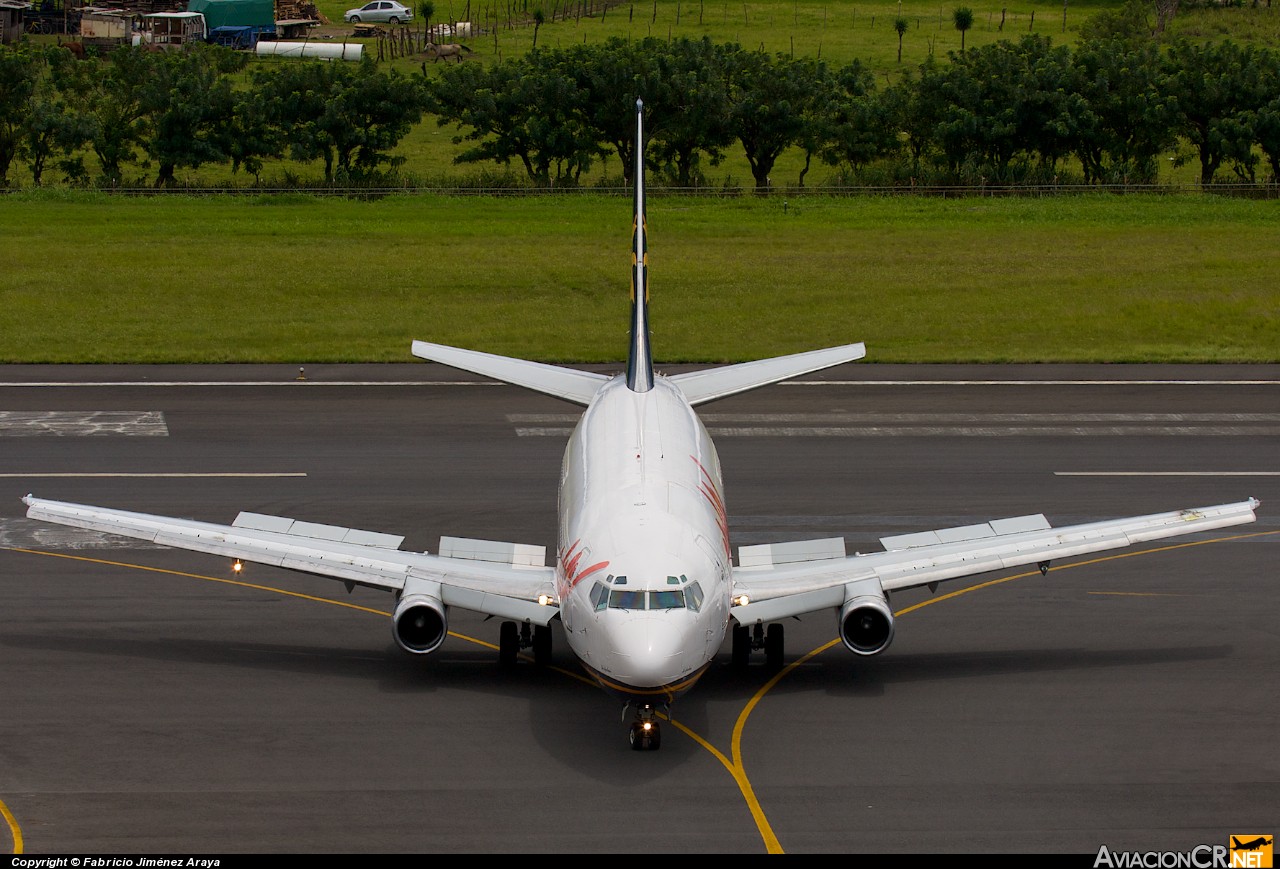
[[645, 735]]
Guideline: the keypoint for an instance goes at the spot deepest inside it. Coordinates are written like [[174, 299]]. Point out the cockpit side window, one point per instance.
[[693, 596], [599, 596]]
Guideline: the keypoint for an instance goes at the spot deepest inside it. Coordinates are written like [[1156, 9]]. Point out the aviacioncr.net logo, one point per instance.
[[1243, 852]]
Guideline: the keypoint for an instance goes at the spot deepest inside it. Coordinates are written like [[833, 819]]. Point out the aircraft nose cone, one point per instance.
[[647, 651]]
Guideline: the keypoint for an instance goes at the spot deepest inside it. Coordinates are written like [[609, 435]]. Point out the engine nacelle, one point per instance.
[[419, 623], [866, 624]]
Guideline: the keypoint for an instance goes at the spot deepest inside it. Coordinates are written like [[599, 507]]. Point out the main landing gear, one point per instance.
[[748, 638], [512, 638], [645, 735]]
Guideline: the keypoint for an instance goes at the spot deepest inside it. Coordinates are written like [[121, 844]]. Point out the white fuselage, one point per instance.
[[643, 565]]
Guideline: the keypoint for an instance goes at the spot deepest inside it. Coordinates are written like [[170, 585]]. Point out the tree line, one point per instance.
[[1012, 112]]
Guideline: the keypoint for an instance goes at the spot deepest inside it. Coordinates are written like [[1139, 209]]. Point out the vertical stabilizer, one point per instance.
[[639, 361]]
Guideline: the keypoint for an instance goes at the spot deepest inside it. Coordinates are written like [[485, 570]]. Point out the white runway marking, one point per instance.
[[157, 474], [1030, 383], [1166, 473], [82, 423], [947, 424], [97, 384]]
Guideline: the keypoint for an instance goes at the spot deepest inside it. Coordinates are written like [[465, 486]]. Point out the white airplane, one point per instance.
[[644, 583]]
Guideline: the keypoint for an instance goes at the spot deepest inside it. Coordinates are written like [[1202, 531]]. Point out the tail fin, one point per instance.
[[639, 360]]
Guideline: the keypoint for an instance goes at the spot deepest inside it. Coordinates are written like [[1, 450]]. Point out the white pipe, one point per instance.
[[328, 50]]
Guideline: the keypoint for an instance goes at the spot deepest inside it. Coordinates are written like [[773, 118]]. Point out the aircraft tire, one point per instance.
[[773, 647], [508, 644], [741, 646], [641, 742], [542, 646]]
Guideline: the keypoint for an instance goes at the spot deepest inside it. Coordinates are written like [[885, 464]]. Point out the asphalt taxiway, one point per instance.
[[154, 703]]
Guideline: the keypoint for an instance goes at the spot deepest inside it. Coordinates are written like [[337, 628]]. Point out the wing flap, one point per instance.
[[994, 528], [338, 533], [771, 554]]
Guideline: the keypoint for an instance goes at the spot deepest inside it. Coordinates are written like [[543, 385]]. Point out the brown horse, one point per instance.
[[447, 50], [76, 48]]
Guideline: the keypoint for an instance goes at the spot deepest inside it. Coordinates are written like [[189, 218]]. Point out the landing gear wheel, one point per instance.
[[773, 647], [542, 646], [645, 736], [508, 644], [741, 646]]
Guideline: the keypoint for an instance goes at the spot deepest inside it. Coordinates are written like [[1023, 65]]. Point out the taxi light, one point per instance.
[[544, 600], [237, 566], [741, 600], [647, 726]]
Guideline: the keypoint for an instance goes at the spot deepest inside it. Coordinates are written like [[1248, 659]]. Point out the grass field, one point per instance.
[[91, 278]]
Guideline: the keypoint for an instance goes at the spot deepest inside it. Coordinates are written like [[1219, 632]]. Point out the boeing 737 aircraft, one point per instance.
[[644, 583]]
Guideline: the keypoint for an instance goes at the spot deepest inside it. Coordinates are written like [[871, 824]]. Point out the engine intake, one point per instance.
[[866, 624], [419, 623]]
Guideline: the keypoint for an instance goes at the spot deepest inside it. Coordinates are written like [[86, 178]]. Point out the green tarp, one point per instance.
[[235, 13]]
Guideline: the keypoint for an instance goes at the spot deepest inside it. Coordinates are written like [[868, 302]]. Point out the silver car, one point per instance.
[[382, 11]]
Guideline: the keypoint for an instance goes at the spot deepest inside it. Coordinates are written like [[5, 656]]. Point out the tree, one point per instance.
[[612, 76], [1216, 88], [963, 18], [528, 108], [857, 124], [691, 111], [19, 72], [1130, 112], [427, 8], [189, 104], [1005, 101], [539, 18], [770, 99], [52, 126], [900, 25], [348, 115], [113, 104]]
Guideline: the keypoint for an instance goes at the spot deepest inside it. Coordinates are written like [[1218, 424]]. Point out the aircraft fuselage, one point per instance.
[[643, 570]]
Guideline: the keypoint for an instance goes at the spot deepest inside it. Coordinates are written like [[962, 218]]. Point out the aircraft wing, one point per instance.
[[781, 588], [478, 582]]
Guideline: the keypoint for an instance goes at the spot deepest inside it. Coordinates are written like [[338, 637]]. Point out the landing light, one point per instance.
[[741, 600], [647, 726], [237, 566], [544, 600]]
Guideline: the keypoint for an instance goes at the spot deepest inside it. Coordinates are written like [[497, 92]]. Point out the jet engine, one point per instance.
[[866, 623], [419, 622]]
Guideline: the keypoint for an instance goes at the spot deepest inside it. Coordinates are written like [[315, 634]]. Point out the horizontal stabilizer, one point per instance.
[[567, 383], [967, 532], [316, 531], [515, 554], [713, 383], [771, 554]]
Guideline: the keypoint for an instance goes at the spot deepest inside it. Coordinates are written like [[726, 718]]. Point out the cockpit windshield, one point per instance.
[[611, 593]]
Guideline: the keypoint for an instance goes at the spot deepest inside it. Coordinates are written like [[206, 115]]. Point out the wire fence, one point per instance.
[[1247, 191]]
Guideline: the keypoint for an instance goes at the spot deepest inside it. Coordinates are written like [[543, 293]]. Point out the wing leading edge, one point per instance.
[[357, 557], [786, 590]]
